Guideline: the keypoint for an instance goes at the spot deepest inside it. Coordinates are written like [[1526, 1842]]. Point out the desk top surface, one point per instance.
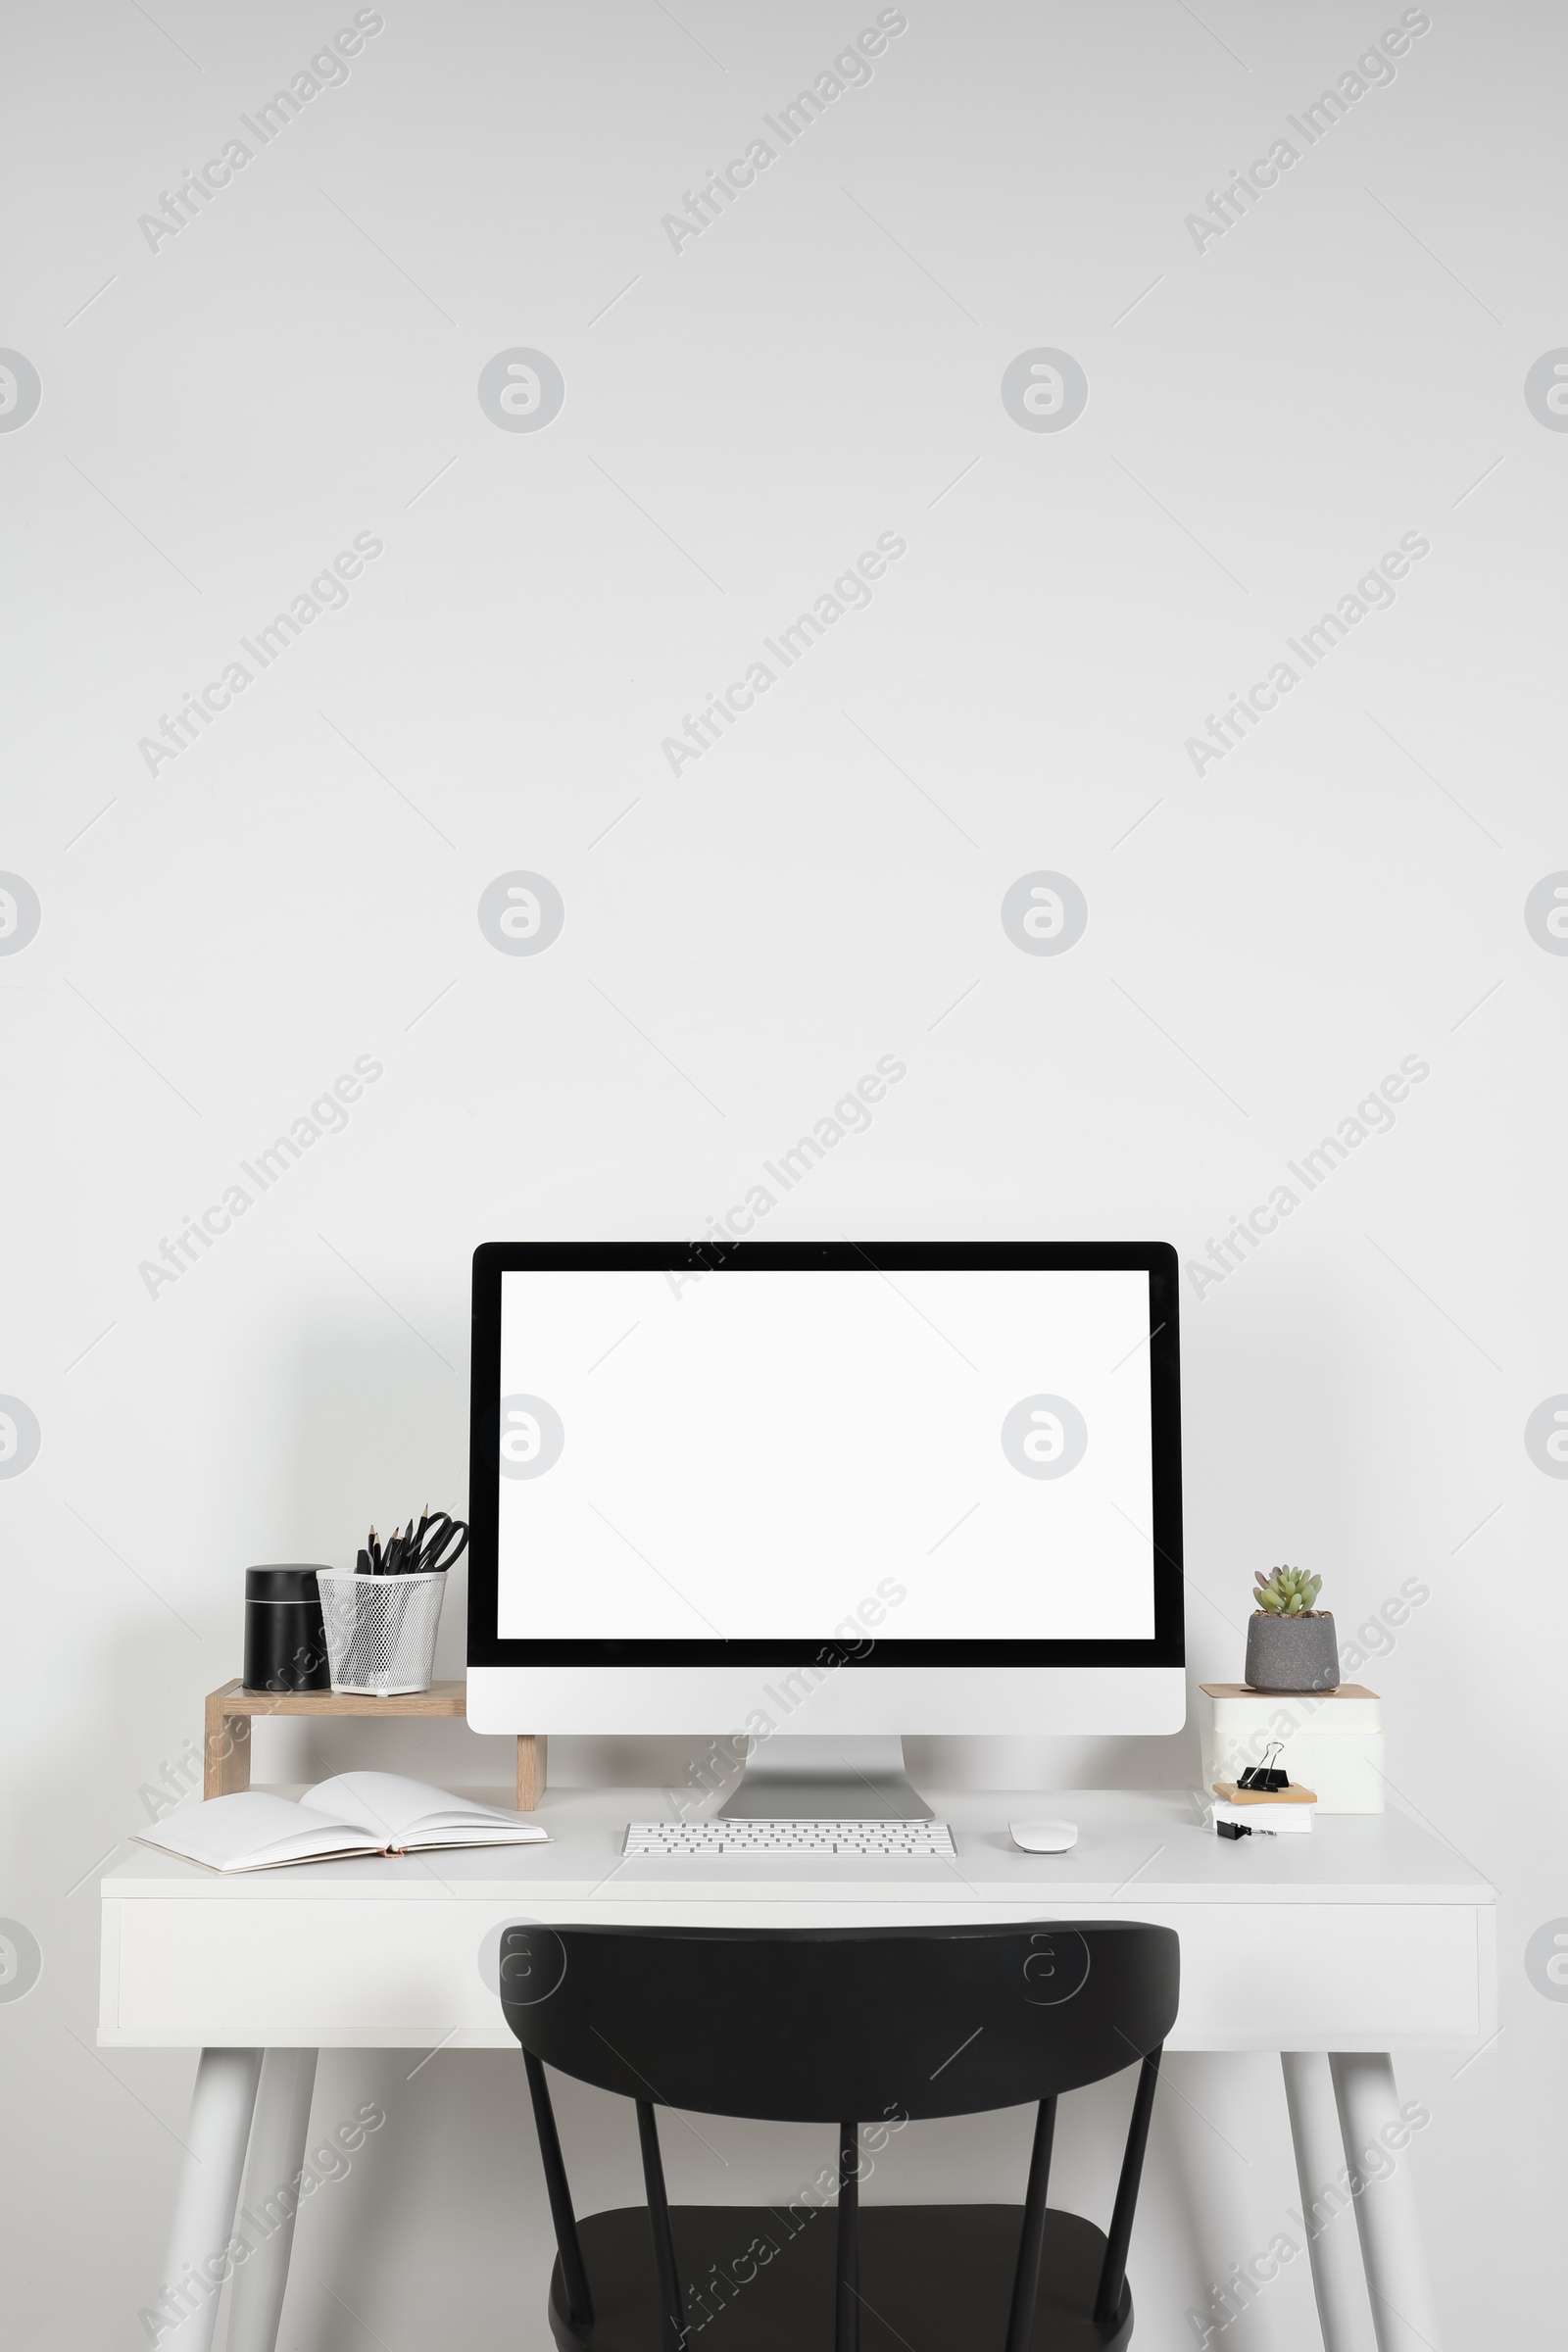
[[1133, 1846]]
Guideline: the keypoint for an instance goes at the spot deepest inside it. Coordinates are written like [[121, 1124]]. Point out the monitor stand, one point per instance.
[[802, 1776]]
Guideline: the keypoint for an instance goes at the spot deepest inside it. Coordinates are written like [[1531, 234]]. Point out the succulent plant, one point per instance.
[[1287, 1592]]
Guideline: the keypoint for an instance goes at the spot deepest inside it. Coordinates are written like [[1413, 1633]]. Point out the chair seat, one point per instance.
[[933, 2279]]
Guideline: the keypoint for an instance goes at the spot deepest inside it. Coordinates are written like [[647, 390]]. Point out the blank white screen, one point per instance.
[[752, 1456]]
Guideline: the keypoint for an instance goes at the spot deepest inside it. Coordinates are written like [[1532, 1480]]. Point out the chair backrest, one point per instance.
[[807, 2025]]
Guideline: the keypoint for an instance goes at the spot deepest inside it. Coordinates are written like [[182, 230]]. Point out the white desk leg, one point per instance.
[[1337, 2278], [267, 2218], [220, 2106], [1404, 2314]]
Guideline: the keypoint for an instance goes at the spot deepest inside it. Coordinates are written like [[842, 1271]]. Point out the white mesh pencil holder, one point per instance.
[[380, 1630]]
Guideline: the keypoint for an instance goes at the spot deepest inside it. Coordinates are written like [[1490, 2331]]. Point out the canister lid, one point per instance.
[[294, 1582]]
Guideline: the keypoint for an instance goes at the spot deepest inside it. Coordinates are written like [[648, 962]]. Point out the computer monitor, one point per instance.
[[829, 1490]]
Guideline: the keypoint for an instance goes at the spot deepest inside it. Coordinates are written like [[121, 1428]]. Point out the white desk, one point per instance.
[[1385, 1937]]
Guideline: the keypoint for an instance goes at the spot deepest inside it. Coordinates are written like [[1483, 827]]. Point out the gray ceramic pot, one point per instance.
[[1291, 1653]]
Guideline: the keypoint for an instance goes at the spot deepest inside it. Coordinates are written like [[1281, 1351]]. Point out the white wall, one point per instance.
[[1266, 939]]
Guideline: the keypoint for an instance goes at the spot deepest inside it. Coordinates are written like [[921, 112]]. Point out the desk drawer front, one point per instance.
[[344, 1973]]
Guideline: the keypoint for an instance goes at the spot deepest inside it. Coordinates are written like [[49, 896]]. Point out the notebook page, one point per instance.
[[250, 1827], [396, 1810]]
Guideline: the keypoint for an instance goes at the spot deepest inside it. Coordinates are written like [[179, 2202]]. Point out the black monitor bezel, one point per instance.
[[492, 1259]]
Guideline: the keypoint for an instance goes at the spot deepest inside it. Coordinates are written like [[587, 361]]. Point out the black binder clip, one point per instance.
[[1233, 1829], [1267, 1778]]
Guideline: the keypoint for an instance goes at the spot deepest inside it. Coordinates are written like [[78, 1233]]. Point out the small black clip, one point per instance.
[[1267, 1778], [1233, 1829]]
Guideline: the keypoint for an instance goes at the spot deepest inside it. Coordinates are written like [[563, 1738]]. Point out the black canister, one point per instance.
[[286, 1639]]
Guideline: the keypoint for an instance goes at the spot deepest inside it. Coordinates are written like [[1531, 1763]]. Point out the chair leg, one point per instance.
[[574, 2277], [669, 2295], [846, 2310], [1114, 2270], [1026, 2277]]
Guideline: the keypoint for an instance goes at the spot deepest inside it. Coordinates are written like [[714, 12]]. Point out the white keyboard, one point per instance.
[[788, 1838]]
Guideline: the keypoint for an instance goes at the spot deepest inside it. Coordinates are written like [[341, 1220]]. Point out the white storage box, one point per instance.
[[1332, 1740]]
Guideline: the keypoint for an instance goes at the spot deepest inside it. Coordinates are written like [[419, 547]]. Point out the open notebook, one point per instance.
[[357, 1813]]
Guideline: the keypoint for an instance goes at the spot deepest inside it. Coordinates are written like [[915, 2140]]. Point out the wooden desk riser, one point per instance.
[[226, 1753]]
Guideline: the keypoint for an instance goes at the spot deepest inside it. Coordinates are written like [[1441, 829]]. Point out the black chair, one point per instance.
[[878, 2025]]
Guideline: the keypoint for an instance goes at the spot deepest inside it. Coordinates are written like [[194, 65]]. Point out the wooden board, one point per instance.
[[1235, 1795], [1246, 1690], [442, 1698], [227, 1757]]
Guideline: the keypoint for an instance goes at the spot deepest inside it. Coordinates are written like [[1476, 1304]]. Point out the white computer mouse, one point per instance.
[[1044, 1837]]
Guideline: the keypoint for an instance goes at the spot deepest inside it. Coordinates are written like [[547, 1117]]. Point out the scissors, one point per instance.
[[438, 1545]]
